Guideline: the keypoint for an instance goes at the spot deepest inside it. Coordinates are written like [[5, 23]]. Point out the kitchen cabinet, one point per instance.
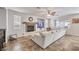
[[2, 38]]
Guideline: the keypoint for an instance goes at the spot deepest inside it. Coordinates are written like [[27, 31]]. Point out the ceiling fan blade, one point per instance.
[[53, 13]]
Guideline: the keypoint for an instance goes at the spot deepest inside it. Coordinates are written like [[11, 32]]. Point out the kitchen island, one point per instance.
[[45, 38]]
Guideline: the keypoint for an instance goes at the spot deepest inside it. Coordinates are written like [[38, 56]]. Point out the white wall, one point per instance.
[[74, 28], [2, 18]]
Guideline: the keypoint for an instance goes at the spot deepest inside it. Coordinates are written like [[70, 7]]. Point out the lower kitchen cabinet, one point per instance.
[[2, 38]]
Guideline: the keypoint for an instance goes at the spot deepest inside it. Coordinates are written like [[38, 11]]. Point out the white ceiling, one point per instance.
[[42, 11]]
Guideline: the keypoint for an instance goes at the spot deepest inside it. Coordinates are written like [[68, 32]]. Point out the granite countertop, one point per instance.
[[2, 29]]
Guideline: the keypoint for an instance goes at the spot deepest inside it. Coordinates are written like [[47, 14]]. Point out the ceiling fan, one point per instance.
[[49, 12]]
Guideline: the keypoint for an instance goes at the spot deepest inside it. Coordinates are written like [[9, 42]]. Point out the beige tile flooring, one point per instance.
[[66, 43]]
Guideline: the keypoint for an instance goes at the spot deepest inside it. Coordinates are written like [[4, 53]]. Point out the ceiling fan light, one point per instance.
[[48, 15]]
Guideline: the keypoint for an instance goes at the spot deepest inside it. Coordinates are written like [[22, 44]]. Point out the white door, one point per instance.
[[17, 25]]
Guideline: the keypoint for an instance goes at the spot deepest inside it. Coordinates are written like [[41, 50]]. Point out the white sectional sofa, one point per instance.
[[45, 38]]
